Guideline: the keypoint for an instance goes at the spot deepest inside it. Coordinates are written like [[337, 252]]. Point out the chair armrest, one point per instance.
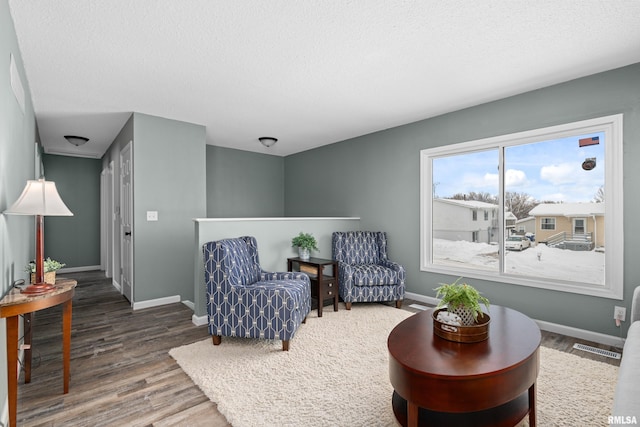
[[284, 275], [392, 265], [635, 305], [345, 277]]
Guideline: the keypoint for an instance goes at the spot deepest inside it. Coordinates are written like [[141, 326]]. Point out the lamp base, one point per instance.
[[38, 289]]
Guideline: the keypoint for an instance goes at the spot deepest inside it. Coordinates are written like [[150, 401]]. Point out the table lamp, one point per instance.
[[39, 198]]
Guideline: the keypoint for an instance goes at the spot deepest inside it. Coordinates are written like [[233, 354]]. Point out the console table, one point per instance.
[[323, 286], [15, 304]]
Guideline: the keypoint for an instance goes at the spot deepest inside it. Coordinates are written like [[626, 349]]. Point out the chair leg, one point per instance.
[[399, 303], [217, 339], [285, 345], [304, 320], [348, 304]]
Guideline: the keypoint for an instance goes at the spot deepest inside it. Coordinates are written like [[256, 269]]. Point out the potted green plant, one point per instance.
[[305, 243], [461, 299], [50, 268]]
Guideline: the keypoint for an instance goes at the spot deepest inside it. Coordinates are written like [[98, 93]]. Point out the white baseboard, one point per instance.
[[156, 302], [79, 269], [189, 304], [116, 285], [582, 334], [200, 320], [422, 298]]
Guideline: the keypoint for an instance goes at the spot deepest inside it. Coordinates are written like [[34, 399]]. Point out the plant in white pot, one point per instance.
[[50, 268], [461, 299], [305, 242]]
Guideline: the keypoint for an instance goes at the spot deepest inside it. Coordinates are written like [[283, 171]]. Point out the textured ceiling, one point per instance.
[[309, 72]]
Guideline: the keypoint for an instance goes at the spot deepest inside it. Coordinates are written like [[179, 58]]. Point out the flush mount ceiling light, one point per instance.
[[76, 140], [267, 141]]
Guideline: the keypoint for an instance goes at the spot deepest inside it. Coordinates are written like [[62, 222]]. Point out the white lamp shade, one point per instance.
[[39, 198]]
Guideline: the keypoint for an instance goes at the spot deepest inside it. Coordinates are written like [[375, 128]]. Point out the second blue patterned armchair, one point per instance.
[[245, 301], [365, 274]]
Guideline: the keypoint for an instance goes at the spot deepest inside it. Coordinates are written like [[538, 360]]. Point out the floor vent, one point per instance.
[[598, 351], [418, 306]]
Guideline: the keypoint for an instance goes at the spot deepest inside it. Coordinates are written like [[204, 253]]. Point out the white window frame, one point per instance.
[[545, 221], [612, 128]]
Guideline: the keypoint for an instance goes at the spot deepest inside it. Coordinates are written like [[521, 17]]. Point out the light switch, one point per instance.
[[152, 215]]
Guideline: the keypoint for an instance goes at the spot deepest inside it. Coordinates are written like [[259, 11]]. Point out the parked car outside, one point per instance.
[[517, 243]]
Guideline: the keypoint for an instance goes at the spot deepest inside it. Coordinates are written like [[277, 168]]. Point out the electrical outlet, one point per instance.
[[152, 215], [619, 313]]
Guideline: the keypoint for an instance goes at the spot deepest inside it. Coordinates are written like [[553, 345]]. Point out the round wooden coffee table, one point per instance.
[[490, 383]]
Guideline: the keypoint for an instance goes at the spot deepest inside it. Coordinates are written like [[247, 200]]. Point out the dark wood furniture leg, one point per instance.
[[217, 339], [412, 414], [66, 343], [532, 405], [12, 367], [27, 324]]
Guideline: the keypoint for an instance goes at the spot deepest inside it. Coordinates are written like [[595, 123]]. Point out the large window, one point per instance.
[[555, 197]]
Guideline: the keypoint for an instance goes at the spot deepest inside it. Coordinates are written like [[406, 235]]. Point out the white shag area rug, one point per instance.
[[336, 373]]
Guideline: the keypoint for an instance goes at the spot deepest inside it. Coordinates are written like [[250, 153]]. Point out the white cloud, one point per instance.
[[490, 179], [515, 178], [559, 174]]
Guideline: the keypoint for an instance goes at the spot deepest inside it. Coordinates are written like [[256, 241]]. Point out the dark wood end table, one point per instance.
[[15, 304], [490, 383], [323, 285]]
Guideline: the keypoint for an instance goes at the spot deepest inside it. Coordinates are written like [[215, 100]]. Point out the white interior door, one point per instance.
[[106, 221], [126, 223]]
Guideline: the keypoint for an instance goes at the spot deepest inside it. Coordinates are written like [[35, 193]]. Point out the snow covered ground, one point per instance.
[[537, 261]]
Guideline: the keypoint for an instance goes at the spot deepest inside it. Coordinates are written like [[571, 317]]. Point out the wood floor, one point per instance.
[[121, 372]]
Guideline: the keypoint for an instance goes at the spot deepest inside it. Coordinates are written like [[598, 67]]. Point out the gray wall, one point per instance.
[[376, 177], [168, 177], [242, 184], [17, 165], [74, 240], [169, 173]]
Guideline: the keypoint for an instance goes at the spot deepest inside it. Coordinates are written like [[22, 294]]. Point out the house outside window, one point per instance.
[[555, 178]]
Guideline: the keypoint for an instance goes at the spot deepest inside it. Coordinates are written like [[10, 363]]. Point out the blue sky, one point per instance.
[[548, 171]]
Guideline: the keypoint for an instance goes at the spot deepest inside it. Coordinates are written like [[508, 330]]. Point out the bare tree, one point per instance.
[[599, 197], [519, 204]]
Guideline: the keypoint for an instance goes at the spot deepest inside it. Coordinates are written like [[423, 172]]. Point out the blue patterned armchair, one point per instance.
[[245, 301], [364, 272]]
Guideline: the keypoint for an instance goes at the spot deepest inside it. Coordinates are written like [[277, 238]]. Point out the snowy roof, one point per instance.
[[529, 218], [567, 209], [468, 203]]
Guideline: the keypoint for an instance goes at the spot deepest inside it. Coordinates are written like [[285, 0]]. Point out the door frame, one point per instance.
[[107, 220], [127, 286], [584, 225]]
